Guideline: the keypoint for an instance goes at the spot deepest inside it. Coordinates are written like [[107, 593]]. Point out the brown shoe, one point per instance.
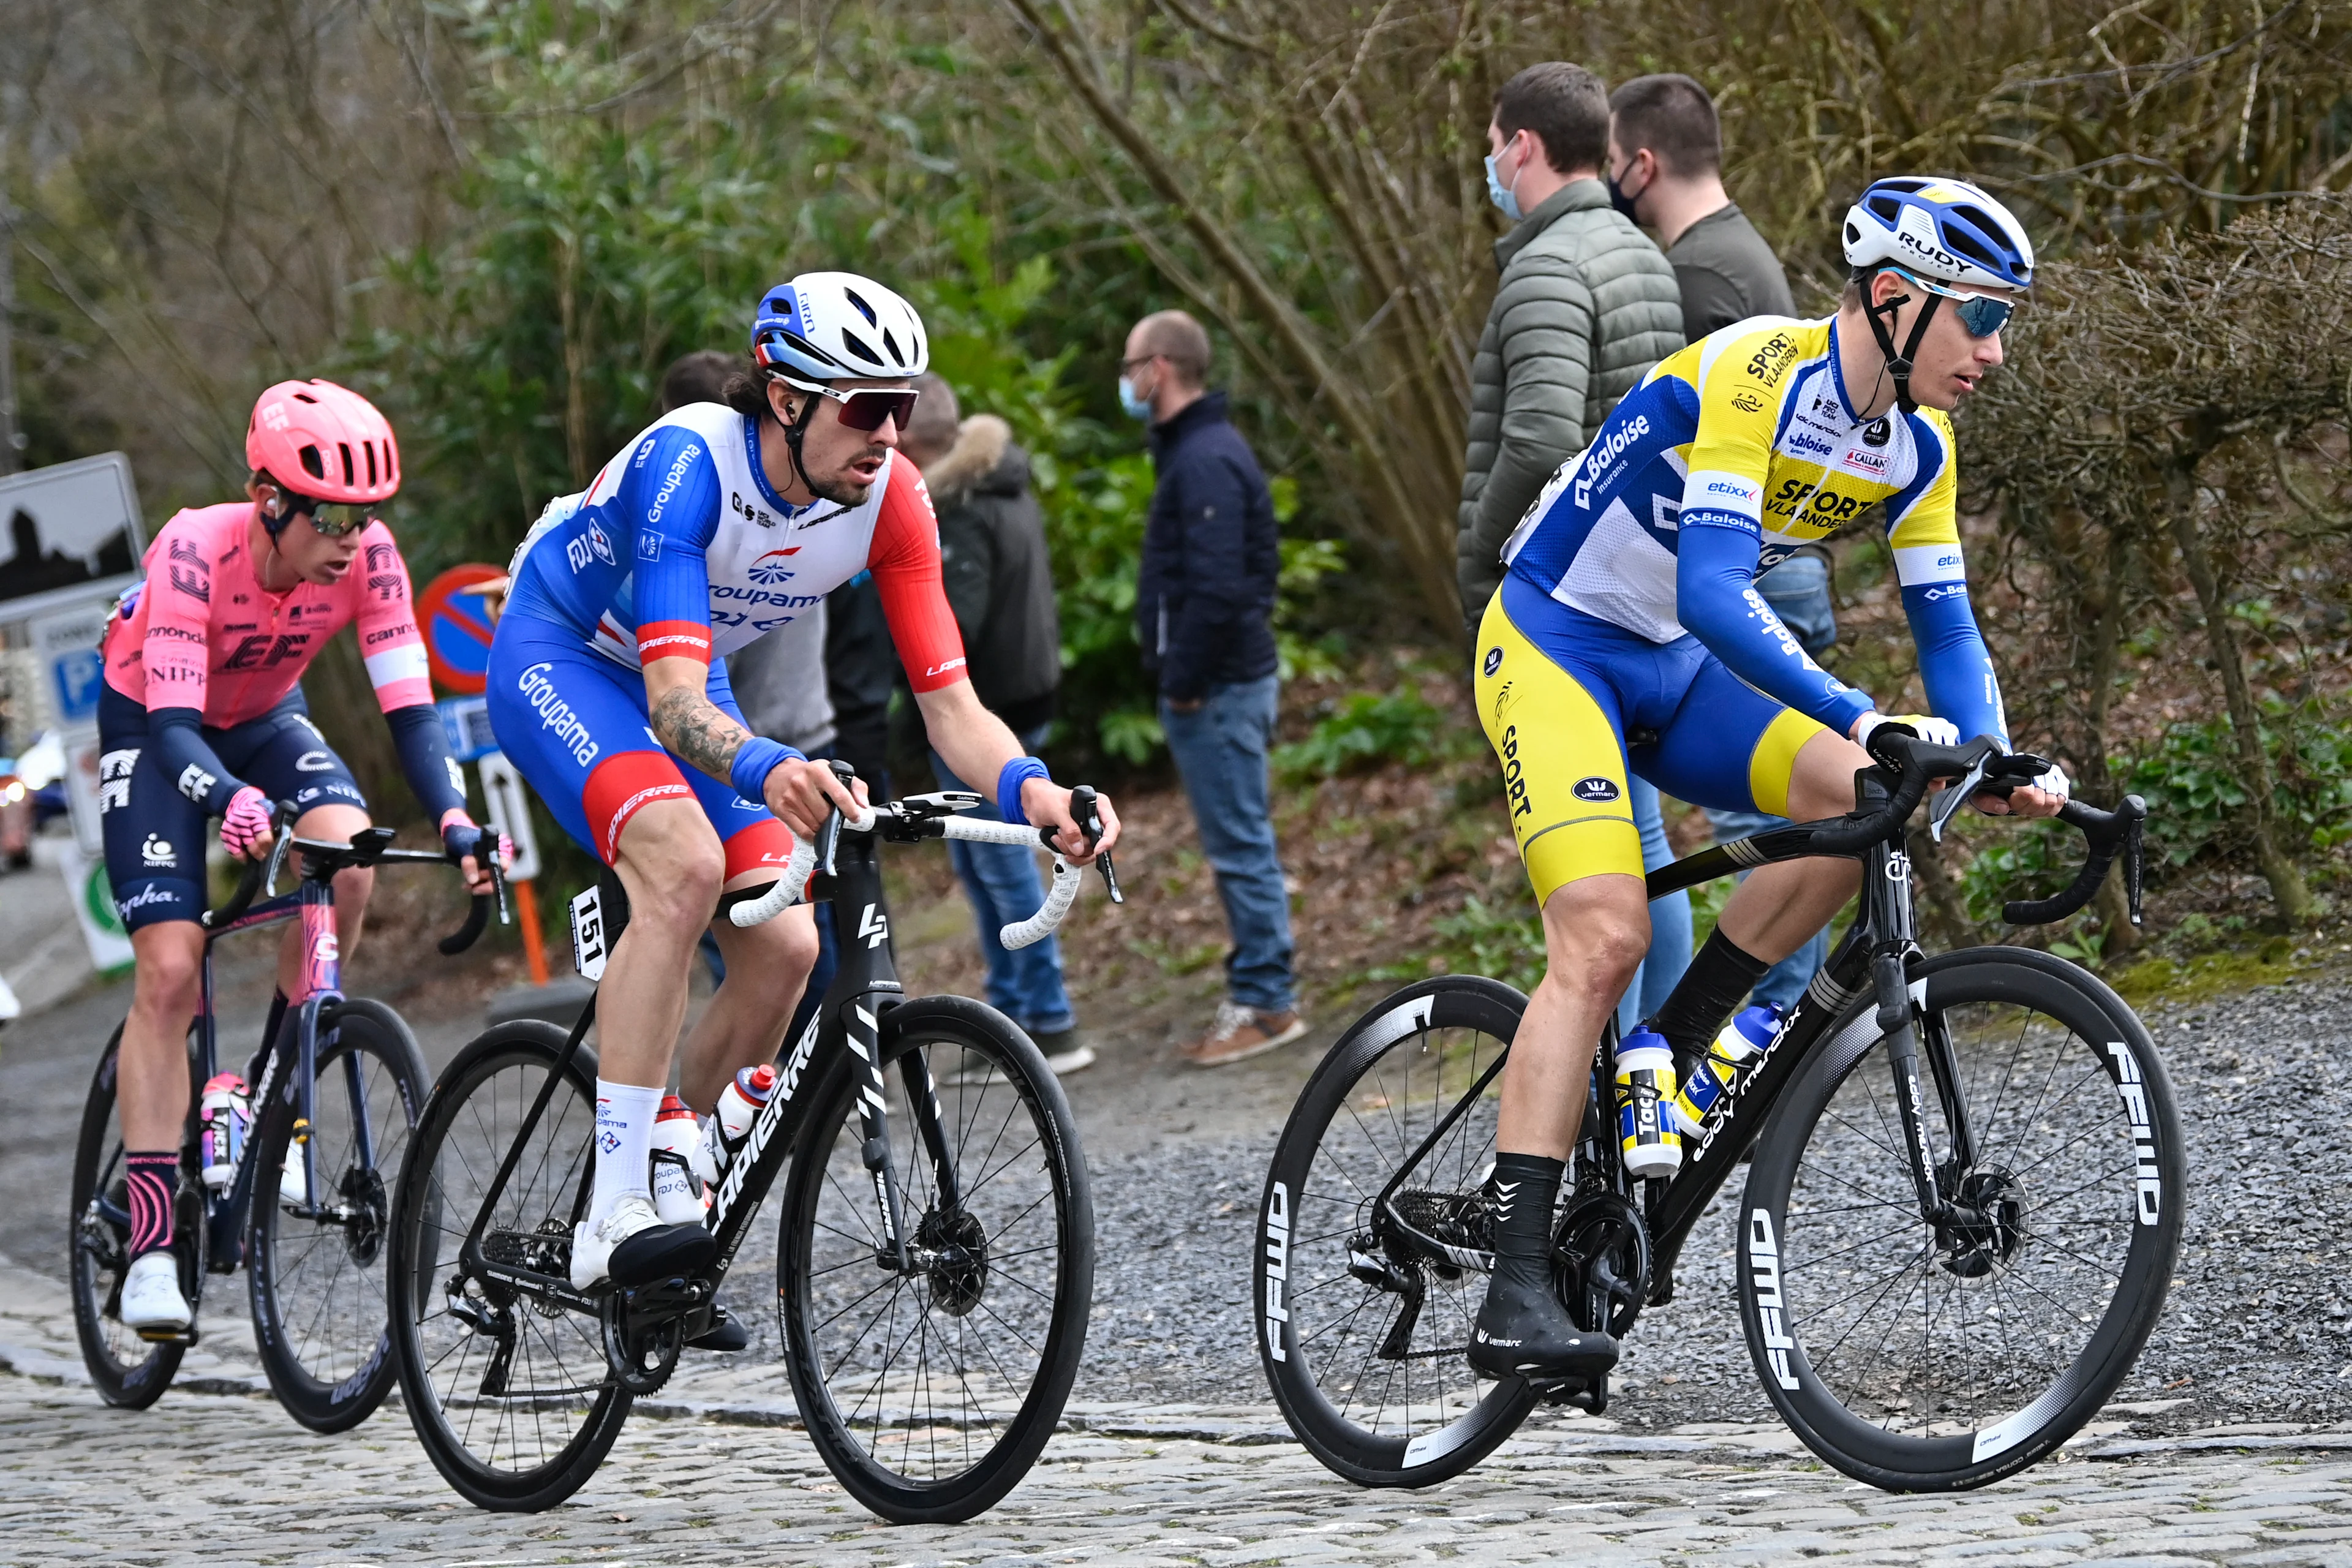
[[1241, 1033]]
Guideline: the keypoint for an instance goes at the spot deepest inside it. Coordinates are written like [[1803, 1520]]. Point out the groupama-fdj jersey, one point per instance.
[[1631, 604], [203, 696], [681, 550]]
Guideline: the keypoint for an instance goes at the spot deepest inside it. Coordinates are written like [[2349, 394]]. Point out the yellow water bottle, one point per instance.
[[1646, 1129]]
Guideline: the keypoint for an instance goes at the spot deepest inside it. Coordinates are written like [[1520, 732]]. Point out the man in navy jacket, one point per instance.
[[1204, 613]]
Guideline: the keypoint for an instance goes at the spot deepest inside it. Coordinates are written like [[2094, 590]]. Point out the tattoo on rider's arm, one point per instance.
[[692, 725]]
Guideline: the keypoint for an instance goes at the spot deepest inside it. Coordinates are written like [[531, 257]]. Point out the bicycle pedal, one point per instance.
[[186, 1336], [1591, 1395]]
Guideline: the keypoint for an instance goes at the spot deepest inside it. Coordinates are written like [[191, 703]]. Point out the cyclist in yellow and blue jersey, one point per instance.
[[1629, 636]]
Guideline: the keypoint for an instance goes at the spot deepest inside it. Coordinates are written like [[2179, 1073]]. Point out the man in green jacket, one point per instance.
[[1586, 305]]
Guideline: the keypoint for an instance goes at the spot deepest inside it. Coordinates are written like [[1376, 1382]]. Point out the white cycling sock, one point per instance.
[[625, 1144]]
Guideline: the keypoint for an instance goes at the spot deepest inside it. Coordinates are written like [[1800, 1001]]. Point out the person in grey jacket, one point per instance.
[[1585, 306]]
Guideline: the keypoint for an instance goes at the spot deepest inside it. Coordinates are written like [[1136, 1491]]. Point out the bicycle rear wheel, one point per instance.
[[1920, 1364], [129, 1372], [1363, 1330], [510, 1394], [930, 1395], [321, 1316]]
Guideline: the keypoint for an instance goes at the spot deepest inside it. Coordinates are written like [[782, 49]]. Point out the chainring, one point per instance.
[[1602, 1262]]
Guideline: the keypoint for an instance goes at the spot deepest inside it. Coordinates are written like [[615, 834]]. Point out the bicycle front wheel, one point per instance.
[[930, 1393], [315, 1261], [1920, 1362], [129, 1372], [510, 1393], [1364, 1330]]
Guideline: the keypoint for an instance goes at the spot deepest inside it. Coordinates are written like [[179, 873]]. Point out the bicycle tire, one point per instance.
[[464, 1132], [330, 1367], [2051, 1230], [95, 1245], [1303, 1243], [825, 1255]]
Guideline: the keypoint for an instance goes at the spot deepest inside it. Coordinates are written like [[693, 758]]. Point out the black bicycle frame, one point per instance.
[[847, 1026]]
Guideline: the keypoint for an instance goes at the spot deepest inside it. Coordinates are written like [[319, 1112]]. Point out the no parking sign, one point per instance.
[[457, 626]]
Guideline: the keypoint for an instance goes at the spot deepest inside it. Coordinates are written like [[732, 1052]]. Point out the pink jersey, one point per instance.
[[203, 633]]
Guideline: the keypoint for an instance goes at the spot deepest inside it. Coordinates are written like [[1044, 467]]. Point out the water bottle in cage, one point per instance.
[[1741, 1045], [738, 1107], [1646, 1132], [227, 1116]]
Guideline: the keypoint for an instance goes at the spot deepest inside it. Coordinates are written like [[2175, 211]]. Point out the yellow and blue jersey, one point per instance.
[[1729, 456]]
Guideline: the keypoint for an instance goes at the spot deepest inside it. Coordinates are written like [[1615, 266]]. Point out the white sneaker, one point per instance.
[[634, 1237], [151, 1294]]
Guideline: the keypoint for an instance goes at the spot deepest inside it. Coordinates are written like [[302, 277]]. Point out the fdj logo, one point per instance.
[[1595, 789]]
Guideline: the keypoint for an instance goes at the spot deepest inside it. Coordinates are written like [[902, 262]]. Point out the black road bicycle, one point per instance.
[[334, 1099], [1957, 1232], [933, 1288]]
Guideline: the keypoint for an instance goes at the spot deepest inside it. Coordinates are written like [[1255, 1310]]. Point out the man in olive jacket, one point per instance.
[[1585, 307]]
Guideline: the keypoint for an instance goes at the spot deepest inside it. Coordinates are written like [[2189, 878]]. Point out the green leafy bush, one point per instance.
[[1365, 732]]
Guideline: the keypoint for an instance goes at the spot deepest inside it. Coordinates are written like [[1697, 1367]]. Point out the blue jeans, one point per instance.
[[1220, 749], [1785, 981], [1670, 916], [1001, 880]]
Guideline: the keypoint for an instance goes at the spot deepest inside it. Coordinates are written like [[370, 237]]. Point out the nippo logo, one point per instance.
[[770, 568]]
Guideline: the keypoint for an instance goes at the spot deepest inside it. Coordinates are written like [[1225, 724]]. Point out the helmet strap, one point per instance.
[[795, 434], [1899, 366]]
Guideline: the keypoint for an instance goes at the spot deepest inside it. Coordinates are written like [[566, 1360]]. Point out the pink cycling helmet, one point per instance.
[[323, 441]]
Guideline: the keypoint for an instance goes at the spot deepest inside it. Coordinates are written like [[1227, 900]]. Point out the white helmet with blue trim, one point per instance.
[[1943, 229], [839, 326]]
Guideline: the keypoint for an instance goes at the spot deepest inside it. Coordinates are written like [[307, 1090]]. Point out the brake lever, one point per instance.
[[1959, 793], [1088, 816]]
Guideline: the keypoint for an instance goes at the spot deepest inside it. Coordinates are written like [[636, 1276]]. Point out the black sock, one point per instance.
[[1525, 1186], [1718, 980]]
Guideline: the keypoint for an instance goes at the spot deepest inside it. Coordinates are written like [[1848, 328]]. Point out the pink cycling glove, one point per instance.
[[245, 821]]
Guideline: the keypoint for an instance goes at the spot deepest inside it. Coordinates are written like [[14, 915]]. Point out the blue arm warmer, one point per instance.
[[425, 759], [178, 736], [1716, 601], [1953, 662]]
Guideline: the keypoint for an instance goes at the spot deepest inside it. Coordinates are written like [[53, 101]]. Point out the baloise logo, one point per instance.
[[770, 568], [1595, 788]]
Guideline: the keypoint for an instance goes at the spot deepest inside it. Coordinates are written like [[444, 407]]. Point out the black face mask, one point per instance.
[[1618, 199]]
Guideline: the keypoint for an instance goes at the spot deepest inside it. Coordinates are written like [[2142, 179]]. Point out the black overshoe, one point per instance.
[[1524, 1332]]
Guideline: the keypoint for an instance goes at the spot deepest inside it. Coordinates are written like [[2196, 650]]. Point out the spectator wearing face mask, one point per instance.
[[1584, 307]]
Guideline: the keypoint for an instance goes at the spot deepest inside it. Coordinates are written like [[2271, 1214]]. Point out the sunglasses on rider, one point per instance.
[[1981, 314], [329, 519], [863, 408]]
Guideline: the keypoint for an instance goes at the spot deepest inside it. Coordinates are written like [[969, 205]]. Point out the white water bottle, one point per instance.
[[677, 1191], [226, 1116], [739, 1104]]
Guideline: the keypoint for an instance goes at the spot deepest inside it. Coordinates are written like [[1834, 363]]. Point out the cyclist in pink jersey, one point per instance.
[[203, 715]]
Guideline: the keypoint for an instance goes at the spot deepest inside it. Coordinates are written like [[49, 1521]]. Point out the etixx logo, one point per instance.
[[1595, 788]]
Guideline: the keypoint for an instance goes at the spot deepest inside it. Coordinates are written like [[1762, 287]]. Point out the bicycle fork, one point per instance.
[[1886, 889]]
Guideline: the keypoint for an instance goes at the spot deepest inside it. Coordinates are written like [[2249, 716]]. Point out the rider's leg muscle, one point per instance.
[[152, 1082], [1596, 929], [672, 865]]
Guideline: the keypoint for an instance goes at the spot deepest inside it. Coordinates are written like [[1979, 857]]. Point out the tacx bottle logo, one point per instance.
[[1595, 788], [1494, 660], [158, 852]]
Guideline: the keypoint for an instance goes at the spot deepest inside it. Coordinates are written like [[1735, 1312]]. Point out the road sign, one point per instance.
[[458, 626], [93, 903], [67, 533], [83, 755], [467, 721], [507, 802], [66, 642]]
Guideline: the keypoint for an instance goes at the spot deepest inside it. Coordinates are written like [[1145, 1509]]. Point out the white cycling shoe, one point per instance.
[[152, 1302], [631, 1245]]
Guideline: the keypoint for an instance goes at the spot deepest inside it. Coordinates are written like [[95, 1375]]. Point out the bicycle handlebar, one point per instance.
[[370, 847], [2107, 832]]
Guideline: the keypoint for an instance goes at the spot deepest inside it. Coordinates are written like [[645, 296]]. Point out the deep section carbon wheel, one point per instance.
[[509, 1392], [1364, 1309], [1921, 1361], [129, 1371], [930, 1389], [315, 1261]]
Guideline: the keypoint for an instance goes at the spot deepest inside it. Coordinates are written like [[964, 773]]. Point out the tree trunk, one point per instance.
[[2287, 888], [2098, 783]]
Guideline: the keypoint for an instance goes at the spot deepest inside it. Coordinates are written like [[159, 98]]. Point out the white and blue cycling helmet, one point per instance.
[[839, 326], [1949, 238], [1942, 230]]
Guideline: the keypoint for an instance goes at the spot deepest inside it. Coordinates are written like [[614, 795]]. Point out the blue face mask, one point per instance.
[[1498, 193], [1137, 408]]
